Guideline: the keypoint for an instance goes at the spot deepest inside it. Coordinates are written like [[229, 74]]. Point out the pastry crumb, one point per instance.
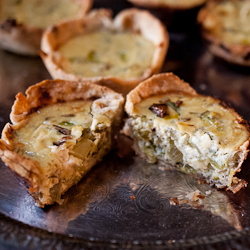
[[193, 196], [208, 192], [174, 201]]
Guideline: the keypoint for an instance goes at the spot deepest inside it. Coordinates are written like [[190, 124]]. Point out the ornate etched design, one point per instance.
[[129, 197], [15, 234]]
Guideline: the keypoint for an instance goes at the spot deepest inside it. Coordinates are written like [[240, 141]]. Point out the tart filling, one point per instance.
[[225, 24], [123, 55], [39, 14], [195, 133], [229, 21], [64, 138], [22, 22]]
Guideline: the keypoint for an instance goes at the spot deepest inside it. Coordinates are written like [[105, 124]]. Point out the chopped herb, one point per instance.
[[66, 123], [62, 130], [174, 107], [210, 118], [123, 56], [77, 59], [153, 146], [159, 109], [92, 57], [215, 164]]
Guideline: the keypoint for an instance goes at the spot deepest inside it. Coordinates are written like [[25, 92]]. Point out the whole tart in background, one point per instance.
[[59, 131], [171, 124], [169, 4], [22, 22], [226, 27], [125, 50]]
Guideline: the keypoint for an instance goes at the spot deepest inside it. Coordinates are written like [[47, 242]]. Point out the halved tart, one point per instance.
[[226, 26], [171, 124], [169, 4], [59, 132], [125, 50], [22, 21]]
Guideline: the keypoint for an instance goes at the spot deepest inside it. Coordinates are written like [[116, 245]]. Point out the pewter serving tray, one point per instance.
[[125, 203]]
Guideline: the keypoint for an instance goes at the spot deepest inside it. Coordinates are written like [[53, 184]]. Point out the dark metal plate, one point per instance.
[[125, 203]]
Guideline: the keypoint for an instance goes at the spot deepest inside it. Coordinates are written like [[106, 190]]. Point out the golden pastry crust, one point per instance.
[[225, 26], [157, 85], [23, 39], [176, 5], [43, 94], [131, 20], [168, 83]]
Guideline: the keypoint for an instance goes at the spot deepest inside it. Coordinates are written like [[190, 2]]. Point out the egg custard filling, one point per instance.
[[106, 53], [197, 134], [39, 13], [229, 21], [66, 139]]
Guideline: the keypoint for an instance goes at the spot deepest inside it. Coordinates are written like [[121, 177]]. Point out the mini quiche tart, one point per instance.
[[169, 4], [22, 21], [125, 50], [59, 132], [171, 124], [226, 26]]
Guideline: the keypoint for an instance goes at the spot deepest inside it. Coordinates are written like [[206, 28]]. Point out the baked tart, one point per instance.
[[59, 131], [22, 22], [169, 4], [171, 124], [124, 51], [226, 27]]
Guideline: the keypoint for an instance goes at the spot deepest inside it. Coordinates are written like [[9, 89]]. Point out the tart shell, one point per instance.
[[25, 40], [233, 53], [42, 94], [168, 83], [132, 20]]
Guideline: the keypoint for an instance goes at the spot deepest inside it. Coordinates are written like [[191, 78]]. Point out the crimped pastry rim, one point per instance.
[[166, 5]]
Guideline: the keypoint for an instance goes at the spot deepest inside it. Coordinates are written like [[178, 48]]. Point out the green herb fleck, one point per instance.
[[92, 57], [123, 56], [210, 118], [215, 164], [174, 107], [77, 59], [66, 123]]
